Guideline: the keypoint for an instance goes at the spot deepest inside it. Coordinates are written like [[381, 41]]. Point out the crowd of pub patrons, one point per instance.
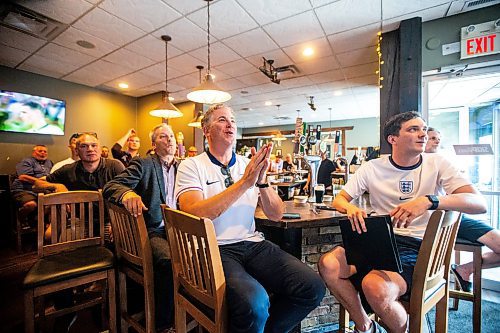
[[226, 188]]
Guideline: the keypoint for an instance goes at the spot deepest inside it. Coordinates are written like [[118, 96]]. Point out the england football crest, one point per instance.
[[406, 186]]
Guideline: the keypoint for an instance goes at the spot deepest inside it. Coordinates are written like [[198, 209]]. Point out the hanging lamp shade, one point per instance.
[[208, 92], [166, 109], [330, 138], [196, 122]]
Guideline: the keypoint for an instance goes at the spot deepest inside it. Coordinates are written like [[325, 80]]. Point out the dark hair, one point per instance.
[[393, 124], [432, 129]]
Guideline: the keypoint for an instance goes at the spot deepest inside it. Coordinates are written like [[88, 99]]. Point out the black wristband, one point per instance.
[[262, 185], [434, 201]]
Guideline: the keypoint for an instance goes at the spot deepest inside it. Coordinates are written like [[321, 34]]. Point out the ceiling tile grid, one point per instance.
[[126, 35]]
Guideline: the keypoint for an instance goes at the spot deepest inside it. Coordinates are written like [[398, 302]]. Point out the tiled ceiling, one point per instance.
[[126, 34]]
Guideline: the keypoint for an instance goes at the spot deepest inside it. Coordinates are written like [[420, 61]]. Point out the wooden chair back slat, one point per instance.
[[133, 249], [71, 216], [433, 265], [132, 239], [195, 255]]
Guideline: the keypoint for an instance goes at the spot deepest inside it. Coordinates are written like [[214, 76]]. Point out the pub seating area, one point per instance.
[[197, 136]]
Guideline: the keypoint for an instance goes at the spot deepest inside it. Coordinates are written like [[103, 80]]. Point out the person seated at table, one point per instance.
[[325, 170], [470, 229], [90, 173], [192, 151], [74, 153], [288, 164], [37, 165], [276, 164], [141, 188], [408, 186], [105, 151], [226, 188], [133, 144]]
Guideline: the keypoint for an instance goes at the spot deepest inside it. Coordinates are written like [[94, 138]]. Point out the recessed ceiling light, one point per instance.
[[261, 123], [170, 98], [268, 103], [85, 44], [308, 51], [338, 93], [123, 85]]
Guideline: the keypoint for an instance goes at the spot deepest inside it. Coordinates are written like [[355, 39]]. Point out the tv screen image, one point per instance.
[[26, 113]]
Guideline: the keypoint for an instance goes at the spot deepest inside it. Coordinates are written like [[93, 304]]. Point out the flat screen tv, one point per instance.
[[26, 113]]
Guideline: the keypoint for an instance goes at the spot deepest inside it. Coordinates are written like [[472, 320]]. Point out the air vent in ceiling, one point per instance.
[[463, 6], [27, 21]]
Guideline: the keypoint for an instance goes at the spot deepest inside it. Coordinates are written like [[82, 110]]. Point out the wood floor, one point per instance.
[[13, 268]]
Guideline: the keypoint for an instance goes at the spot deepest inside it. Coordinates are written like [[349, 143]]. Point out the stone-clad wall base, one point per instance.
[[315, 242]]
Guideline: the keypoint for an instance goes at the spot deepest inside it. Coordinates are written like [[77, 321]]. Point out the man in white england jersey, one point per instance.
[[407, 185], [226, 188]]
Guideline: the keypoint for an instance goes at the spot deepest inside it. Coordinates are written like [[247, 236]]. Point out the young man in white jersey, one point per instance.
[[226, 188], [471, 230], [405, 185]]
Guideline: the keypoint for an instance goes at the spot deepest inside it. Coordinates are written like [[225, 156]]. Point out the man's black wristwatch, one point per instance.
[[262, 185], [434, 200]]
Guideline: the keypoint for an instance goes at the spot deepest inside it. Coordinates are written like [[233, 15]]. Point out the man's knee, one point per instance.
[[378, 291], [492, 240], [329, 264], [28, 207], [249, 307]]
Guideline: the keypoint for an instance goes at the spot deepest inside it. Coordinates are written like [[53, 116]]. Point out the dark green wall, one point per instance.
[[447, 30]]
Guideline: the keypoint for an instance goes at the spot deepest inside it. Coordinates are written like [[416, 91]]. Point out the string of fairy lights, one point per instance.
[[379, 48], [380, 61]]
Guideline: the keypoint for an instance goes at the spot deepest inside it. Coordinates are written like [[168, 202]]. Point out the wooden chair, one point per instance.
[[73, 257], [199, 283], [475, 296], [430, 286], [20, 228], [135, 261]]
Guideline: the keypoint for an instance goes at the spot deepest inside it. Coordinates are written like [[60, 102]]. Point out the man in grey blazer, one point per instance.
[[141, 188]]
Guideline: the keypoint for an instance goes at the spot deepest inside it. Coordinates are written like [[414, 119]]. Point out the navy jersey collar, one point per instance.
[[411, 167], [216, 161]]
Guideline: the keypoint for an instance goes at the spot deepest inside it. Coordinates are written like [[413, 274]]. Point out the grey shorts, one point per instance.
[[472, 230]]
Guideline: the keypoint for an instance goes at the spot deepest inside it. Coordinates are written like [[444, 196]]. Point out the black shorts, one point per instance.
[[472, 230], [23, 197], [408, 248]]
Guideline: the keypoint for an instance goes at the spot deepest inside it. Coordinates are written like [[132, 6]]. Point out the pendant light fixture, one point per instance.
[[166, 109], [208, 92], [330, 138], [278, 136], [196, 121]]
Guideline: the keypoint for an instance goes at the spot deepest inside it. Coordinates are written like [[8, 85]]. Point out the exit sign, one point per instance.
[[480, 39]]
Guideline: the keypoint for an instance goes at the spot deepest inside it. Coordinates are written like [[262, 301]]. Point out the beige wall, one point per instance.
[[108, 114]]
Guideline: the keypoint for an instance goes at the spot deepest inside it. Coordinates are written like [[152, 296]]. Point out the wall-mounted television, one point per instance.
[[26, 113]]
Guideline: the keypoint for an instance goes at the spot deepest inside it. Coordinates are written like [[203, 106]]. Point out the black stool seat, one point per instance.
[[463, 241], [67, 265]]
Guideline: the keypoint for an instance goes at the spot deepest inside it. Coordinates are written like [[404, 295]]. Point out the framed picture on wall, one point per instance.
[[279, 152]]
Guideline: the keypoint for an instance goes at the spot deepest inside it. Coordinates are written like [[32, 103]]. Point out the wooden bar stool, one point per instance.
[[475, 296]]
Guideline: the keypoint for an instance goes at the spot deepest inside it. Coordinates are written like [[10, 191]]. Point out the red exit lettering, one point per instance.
[[483, 44]]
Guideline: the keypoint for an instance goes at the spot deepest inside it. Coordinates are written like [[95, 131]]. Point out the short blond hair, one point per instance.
[[207, 117]]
